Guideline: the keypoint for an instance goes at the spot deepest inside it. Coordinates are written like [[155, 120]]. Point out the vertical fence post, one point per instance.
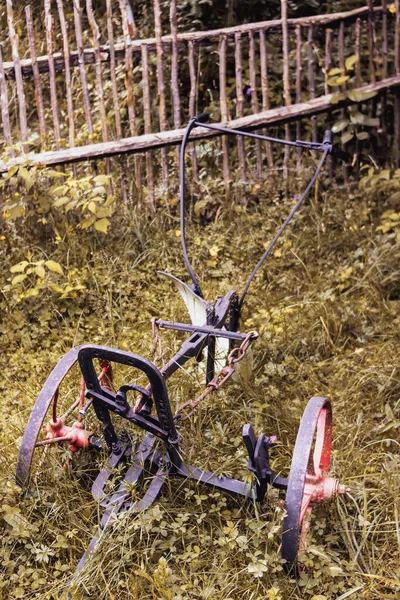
[[174, 66], [328, 64], [68, 80], [176, 103], [357, 45], [36, 76], [371, 41], [254, 100], [299, 68], [328, 56], [311, 77], [117, 113], [147, 122], [52, 73], [397, 96], [99, 80], [5, 116], [18, 76], [286, 79], [239, 103], [82, 68], [130, 89], [265, 90], [224, 110], [161, 89]]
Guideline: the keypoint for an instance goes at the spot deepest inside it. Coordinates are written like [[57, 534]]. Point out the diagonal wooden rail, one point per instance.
[[152, 141]]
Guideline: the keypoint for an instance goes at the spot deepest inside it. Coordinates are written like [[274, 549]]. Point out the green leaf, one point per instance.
[[20, 267], [54, 266], [332, 81], [350, 62], [56, 288], [40, 272], [104, 179], [92, 206], [103, 212], [87, 222], [54, 174], [335, 71], [102, 225], [346, 137], [61, 201], [342, 79], [340, 125], [360, 96], [336, 98], [363, 135], [18, 279], [358, 118], [11, 172]]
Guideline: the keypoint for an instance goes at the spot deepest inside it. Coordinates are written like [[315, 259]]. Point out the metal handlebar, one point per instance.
[[326, 147]]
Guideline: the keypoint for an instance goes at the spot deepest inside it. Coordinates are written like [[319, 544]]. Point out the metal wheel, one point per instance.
[[56, 428], [307, 483]]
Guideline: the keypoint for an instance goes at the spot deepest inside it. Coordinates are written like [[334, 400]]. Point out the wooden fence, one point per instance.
[[82, 87]]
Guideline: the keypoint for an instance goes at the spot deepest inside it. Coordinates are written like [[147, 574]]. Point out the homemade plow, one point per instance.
[[82, 394]]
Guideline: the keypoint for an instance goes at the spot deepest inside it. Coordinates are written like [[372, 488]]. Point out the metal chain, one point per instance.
[[235, 355]]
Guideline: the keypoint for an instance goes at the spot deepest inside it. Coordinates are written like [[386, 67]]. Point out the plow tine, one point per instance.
[[111, 513]]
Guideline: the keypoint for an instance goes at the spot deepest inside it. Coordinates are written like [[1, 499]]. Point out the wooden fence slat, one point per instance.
[[99, 81], [397, 96], [239, 103], [157, 140], [265, 90], [397, 39], [113, 64], [161, 88], [371, 41], [299, 68], [357, 50], [174, 66], [52, 73], [99, 75], [254, 100], [183, 38], [130, 88], [224, 110], [5, 116], [68, 79], [311, 77], [36, 76], [328, 57], [286, 80], [384, 39], [192, 102], [18, 75], [82, 69], [147, 122]]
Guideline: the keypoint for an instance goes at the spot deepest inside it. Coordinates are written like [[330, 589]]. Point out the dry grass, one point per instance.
[[327, 307]]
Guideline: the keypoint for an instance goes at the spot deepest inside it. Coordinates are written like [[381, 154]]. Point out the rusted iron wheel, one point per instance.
[[55, 421], [308, 483]]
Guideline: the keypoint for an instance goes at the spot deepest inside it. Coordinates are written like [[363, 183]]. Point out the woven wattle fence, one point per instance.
[[83, 88]]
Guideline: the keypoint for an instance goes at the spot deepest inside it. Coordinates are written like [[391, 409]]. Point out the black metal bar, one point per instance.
[[285, 224], [297, 144], [223, 333], [232, 486], [192, 123]]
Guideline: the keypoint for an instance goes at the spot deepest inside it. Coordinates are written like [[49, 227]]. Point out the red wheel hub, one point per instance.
[[77, 435]]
